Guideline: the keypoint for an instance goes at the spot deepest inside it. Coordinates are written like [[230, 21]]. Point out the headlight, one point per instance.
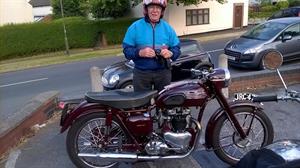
[[252, 50], [104, 81], [227, 74], [113, 79], [227, 78]]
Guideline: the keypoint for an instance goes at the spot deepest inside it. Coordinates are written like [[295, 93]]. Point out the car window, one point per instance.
[[188, 49], [287, 13], [265, 31], [293, 30], [277, 14]]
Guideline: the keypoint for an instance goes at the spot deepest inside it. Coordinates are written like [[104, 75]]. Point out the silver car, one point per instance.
[[281, 34]]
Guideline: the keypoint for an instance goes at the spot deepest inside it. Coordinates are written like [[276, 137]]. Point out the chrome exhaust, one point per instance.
[[130, 157]]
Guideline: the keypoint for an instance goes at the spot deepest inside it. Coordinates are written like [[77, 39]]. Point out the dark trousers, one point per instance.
[[148, 80]]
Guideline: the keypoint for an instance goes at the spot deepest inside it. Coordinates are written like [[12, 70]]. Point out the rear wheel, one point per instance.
[[88, 135], [228, 144]]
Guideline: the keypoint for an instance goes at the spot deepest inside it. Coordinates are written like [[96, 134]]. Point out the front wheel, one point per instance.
[[227, 143], [89, 135]]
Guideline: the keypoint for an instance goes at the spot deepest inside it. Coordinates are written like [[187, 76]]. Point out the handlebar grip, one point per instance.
[[265, 98]]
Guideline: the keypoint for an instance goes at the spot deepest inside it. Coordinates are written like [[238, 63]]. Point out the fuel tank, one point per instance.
[[184, 93]]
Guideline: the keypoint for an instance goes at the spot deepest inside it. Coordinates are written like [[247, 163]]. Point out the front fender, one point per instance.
[[218, 113], [82, 109]]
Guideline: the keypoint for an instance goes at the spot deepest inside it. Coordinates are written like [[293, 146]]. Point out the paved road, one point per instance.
[[47, 148], [71, 80]]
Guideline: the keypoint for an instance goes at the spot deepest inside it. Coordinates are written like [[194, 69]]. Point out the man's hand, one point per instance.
[[147, 52], [166, 53]]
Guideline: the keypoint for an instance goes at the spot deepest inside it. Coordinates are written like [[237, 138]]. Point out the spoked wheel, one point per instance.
[[228, 144], [88, 135]]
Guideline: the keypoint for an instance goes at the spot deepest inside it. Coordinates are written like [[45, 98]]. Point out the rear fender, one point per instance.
[[220, 112], [82, 109]]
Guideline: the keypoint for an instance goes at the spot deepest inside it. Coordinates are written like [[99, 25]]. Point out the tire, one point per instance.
[[260, 65], [127, 85], [86, 132], [231, 152], [202, 67]]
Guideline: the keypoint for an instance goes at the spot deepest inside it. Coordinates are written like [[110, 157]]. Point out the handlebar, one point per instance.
[[264, 98], [290, 95]]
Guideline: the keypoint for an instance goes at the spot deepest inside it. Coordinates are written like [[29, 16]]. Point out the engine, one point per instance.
[[174, 135]]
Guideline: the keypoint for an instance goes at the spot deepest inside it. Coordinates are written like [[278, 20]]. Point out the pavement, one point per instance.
[[40, 109]]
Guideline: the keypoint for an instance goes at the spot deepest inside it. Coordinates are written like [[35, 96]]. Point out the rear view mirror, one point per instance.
[[272, 60], [286, 37]]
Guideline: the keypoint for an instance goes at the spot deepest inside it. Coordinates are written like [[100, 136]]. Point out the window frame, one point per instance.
[[189, 14]]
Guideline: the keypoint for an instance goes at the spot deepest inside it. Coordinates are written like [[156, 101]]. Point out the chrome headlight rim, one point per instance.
[[104, 81], [227, 77], [113, 79]]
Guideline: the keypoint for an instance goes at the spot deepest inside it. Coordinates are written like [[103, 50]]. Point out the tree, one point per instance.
[[71, 7], [109, 8]]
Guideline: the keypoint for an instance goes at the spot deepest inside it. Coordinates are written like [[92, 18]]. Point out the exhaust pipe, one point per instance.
[[130, 157]]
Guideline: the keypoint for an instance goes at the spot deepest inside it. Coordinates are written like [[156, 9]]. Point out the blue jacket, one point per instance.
[[141, 34]]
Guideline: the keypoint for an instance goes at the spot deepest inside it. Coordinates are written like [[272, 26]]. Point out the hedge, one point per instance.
[[28, 39]]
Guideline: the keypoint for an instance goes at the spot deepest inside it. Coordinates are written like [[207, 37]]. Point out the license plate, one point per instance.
[[242, 96], [230, 57]]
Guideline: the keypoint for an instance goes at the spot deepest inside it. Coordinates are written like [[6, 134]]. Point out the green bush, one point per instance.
[[70, 8], [269, 8], [294, 3], [260, 14], [112, 8], [28, 39], [282, 5]]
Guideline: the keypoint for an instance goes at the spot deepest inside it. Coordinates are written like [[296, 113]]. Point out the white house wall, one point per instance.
[[42, 11], [220, 16], [15, 11]]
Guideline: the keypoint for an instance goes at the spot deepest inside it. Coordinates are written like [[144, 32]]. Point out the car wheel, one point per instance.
[[260, 66], [127, 85], [202, 67]]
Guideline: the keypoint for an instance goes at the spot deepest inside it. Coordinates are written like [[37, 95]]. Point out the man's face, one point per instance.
[[154, 12]]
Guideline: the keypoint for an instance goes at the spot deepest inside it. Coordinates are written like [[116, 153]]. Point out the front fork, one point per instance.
[[230, 114], [108, 122]]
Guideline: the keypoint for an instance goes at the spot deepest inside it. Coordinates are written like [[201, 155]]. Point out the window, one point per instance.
[[187, 49], [277, 15], [197, 17], [293, 30]]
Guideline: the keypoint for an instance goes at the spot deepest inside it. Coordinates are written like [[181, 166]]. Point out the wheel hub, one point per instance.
[[243, 143]]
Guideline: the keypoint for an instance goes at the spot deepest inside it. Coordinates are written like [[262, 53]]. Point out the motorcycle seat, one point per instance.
[[121, 98]]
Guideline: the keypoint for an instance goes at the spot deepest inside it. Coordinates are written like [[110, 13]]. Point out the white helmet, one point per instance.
[[161, 3]]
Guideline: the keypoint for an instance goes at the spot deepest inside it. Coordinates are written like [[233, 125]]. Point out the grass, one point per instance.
[[56, 58]]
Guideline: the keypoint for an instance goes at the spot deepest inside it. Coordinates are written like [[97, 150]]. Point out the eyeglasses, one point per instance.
[[154, 7]]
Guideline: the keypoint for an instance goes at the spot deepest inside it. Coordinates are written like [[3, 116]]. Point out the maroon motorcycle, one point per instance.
[[124, 126]]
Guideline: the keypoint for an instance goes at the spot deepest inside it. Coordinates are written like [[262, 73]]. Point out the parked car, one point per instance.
[[120, 75], [281, 34], [288, 12]]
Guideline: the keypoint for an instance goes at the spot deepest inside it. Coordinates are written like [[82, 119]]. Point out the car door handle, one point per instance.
[[177, 64]]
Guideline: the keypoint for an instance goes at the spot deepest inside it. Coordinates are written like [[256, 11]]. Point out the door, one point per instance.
[[238, 15], [290, 49]]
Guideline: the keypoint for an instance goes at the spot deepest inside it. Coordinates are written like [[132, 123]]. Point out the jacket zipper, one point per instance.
[[153, 35]]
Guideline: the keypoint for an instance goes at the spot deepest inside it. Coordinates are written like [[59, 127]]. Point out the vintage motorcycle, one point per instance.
[[283, 153], [124, 126]]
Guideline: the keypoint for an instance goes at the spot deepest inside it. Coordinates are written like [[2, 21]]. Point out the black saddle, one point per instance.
[[121, 98]]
